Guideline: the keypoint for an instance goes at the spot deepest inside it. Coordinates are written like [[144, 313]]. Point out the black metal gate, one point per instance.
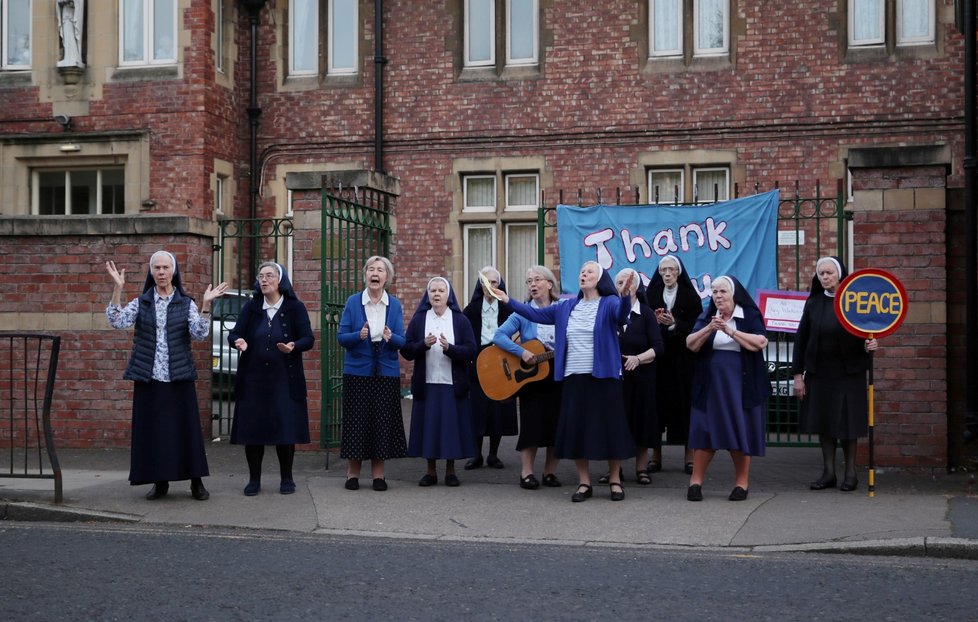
[[808, 228], [356, 225], [241, 246]]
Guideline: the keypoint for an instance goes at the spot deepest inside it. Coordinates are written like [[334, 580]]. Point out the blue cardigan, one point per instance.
[[612, 313], [361, 359]]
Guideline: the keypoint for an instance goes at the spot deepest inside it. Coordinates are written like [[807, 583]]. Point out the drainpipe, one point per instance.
[[254, 8], [379, 62], [971, 227]]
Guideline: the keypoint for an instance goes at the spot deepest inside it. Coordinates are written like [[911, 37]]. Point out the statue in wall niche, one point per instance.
[[71, 26]]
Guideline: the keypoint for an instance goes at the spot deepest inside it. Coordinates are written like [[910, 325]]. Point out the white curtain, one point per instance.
[[479, 18], [132, 30], [915, 16], [304, 27], [521, 253], [480, 250], [521, 30], [866, 20], [521, 191], [480, 192], [343, 36], [710, 24], [668, 185], [164, 30], [666, 27]]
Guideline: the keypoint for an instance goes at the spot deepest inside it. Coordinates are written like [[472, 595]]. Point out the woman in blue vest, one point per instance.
[[270, 408], [372, 332], [167, 441], [730, 385], [588, 363]]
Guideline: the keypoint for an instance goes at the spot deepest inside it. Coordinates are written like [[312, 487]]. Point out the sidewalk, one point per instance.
[[911, 513]]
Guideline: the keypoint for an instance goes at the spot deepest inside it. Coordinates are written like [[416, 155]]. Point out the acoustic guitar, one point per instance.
[[502, 374]]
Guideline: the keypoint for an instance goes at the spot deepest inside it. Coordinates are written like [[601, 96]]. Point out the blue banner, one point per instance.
[[736, 237]]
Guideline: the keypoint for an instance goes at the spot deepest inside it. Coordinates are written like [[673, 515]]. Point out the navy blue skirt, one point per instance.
[[167, 442], [592, 421], [724, 423], [441, 425]]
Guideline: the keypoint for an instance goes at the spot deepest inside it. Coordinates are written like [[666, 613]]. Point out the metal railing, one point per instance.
[[28, 366]]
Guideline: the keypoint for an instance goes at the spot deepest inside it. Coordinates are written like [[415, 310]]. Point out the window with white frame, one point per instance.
[[711, 27], [221, 195], [480, 33], [711, 184], [522, 28], [499, 207], [78, 191], [303, 37], [665, 28], [915, 22], [342, 36], [522, 192], [666, 185], [479, 193], [710, 22], [911, 21], [15, 34], [148, 32], [219, 36]]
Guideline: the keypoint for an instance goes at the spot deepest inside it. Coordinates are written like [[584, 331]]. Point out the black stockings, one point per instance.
[[828, 456], [255, 453]]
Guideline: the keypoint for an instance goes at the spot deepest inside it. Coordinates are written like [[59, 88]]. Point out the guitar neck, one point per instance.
[[546, 356]]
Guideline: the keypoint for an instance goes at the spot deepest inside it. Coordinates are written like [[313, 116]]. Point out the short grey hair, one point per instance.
[[487, 269], [548, 275], [387, 264]]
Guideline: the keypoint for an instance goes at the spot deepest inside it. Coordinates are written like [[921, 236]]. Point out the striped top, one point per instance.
[[580, 337]]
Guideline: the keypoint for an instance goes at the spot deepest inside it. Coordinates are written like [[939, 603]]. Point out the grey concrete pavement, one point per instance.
[[911, 513]]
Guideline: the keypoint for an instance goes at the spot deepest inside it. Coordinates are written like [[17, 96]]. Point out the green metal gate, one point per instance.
[[241, 246], [356, 225], [808, 228]]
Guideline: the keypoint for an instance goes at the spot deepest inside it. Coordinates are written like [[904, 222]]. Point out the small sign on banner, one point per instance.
[[781, 309]]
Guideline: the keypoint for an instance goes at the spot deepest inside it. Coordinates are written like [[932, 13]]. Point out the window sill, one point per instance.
[[15, 77], [492, 74], [145, 73]]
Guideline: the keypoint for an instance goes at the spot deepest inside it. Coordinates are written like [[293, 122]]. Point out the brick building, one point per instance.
[[482, 112]]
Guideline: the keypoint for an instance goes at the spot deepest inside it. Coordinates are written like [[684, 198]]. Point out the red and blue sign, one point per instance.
[[871, 303]]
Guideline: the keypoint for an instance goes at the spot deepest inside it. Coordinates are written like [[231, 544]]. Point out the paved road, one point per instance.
[[60, 572]]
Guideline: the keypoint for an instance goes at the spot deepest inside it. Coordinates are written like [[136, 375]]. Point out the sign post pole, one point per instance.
[[871, 304]]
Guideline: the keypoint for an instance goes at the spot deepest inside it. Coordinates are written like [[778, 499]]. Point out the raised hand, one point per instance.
[[118, 276], [217, 292]]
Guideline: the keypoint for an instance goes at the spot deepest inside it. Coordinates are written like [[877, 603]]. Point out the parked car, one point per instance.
[[224, 358]]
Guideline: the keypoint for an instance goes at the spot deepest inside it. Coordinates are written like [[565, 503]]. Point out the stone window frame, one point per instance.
[[889, 49], [688, 162], [23, 155], [500, 66], [323, 75], [148, 31], [690, 58]]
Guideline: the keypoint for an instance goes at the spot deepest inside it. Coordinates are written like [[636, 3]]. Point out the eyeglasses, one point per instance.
[[267, 277], [536, 279]]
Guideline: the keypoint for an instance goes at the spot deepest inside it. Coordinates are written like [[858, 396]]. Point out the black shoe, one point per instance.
[[158, 490], [494, 462], [286, 487], [252, 489], [428, 480], [604, 479], [474, 463], [849, 484], [529, 482], [380, 484], [617, 495], [694, 493], [197, 490], [352, 483], [452, 480], [550, 480], [582, 495], [822, 483], [738, 494]]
